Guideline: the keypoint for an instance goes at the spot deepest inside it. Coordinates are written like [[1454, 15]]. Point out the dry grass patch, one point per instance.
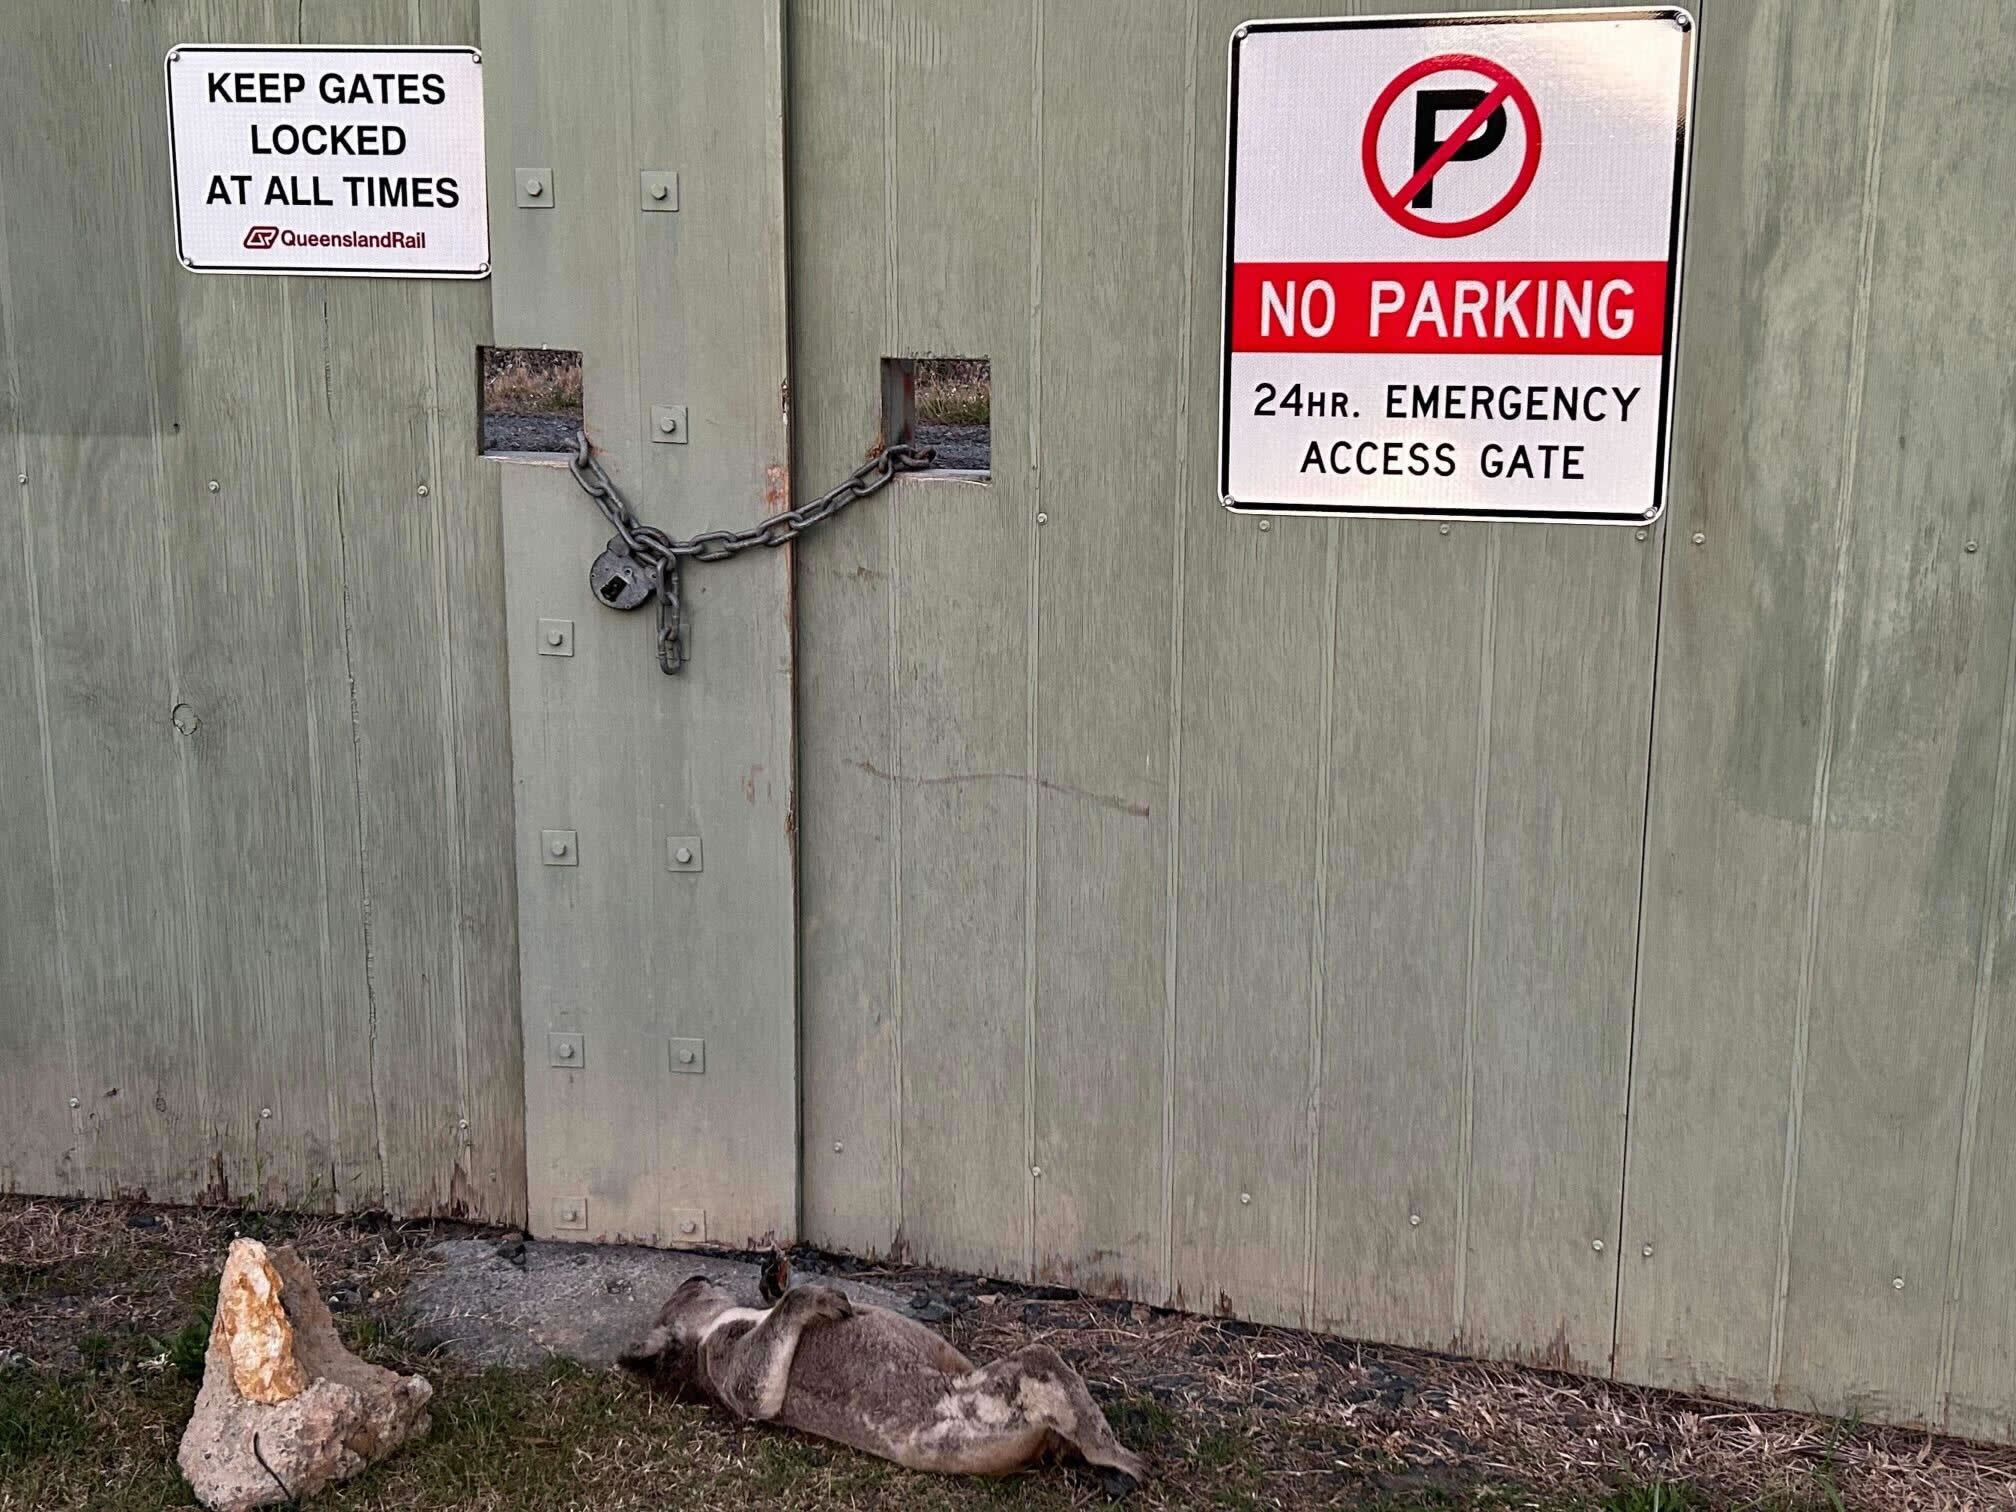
[[104, 1308], [531, 381]]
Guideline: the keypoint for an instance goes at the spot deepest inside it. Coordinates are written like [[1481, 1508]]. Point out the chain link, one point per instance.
[[659, 554]]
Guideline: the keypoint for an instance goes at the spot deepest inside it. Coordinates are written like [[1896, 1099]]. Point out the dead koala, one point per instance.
[[875, 1380]]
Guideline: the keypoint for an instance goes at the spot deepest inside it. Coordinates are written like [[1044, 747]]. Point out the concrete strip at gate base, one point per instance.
[[581, 1302]]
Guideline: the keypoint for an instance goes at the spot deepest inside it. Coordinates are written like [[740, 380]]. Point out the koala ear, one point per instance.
[[775, 1278]]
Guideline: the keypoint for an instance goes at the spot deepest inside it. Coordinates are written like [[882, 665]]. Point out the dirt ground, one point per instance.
[[104, 1309]]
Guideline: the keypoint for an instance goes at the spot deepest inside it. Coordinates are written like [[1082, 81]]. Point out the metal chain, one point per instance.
[[659, 554]]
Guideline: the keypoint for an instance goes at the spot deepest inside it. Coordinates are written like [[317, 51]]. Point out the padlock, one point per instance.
[[619, 580]]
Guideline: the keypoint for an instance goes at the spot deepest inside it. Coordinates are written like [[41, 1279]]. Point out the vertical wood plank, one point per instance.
[[619, 948], [963, 655], [841, 225], [1115, 246], [1768, 359], [1921, 681], [1402, 859], [84, 235], [37, 1050]]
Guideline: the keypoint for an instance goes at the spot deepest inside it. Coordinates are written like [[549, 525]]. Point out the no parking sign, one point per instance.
[[1452, 251]]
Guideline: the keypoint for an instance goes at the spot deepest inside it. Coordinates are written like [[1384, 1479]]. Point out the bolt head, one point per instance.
[[683, 855], [534, 188], [689, 1227], [554, 638], [566, 1052], [558, 847], [660, 191], [667, 424], [685, 1057]]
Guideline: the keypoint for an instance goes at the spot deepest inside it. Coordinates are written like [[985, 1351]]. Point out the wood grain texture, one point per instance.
[[212, 919], [1115, 244], [841, 225], [1769, 403], [1921, 674], [685, 308]]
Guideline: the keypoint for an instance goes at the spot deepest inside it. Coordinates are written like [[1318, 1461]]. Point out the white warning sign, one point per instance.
[[358, 161], [1453, 264]]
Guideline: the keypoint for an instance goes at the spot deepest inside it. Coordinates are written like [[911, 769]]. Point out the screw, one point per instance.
[[683, 855], [1245, 1199], [265, 1112], [1596, 1245], [1042, 518], [1971, 545], [558, 847], [22, 480], [1699, 538], [1444, 529], [421, 490], [533, 188], [838, 1147], [1637, 535], [689, 1227], [660, 191], [1897, 1283], [215, 485], [1646, 1252], [75, 1103], [461, 1123], [1413, 1220], [555, 638], [1035, 1170]]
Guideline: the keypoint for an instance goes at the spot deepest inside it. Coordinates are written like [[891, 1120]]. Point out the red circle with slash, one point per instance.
[[1504, 87]]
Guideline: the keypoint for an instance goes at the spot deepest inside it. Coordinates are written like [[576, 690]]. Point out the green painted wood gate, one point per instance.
[[1558, 943]]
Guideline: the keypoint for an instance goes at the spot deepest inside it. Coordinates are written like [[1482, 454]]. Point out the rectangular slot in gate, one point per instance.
[[945, 403], [530, 399]]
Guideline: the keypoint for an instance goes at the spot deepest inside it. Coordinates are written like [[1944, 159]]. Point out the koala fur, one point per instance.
[[877, 1381]]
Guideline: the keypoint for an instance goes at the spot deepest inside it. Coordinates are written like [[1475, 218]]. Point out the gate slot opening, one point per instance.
[[530, 399], [945, 403]]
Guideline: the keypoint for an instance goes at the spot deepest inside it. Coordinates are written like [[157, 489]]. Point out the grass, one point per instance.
[[531, 381], [954, 390], [101, 1353]]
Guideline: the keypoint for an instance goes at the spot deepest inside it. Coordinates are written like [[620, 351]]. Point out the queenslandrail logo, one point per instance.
[[260, 238]]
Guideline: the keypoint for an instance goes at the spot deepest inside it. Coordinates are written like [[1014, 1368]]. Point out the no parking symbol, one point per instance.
[[1452, 264], [1440, 86]]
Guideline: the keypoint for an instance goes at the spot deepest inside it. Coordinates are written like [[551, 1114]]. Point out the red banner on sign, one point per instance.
[[1579, 309]]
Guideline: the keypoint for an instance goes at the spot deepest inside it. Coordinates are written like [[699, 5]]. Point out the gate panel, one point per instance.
[[1821, 1075], [1299, 921], [682, 308]]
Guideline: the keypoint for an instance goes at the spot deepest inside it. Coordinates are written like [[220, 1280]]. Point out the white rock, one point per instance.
[[278, 1385]]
